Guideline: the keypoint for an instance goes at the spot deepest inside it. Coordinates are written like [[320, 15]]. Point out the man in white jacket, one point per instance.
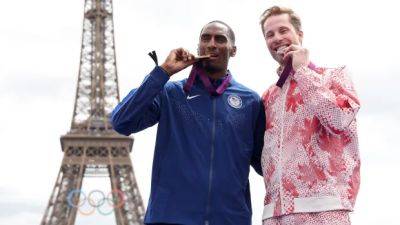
[[310, 159]]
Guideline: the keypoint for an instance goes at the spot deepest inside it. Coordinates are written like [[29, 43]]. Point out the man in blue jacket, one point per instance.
[[210, 130]]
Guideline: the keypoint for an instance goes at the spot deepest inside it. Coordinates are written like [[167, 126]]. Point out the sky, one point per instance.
[[39, 60]]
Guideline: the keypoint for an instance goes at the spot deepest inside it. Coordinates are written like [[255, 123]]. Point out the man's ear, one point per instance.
[[300, 33], [233, 51]]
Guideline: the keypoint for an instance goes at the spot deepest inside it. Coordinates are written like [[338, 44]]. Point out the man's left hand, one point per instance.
[[299, 56]]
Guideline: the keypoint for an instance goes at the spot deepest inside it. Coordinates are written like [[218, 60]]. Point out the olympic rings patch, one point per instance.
[[235, 101], [96, 199]]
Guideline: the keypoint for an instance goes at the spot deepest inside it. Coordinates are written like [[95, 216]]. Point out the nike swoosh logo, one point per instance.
[[190, 97]]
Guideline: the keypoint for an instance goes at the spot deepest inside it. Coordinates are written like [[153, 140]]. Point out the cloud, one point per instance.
[[35, 86], [18, 210]]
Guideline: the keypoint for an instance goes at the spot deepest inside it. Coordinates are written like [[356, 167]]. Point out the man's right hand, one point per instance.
[[177, 60]]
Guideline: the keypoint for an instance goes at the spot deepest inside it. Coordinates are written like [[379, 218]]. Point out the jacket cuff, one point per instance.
[[159, 75]]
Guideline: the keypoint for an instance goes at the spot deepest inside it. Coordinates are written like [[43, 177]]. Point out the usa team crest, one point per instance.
[[235, 101]]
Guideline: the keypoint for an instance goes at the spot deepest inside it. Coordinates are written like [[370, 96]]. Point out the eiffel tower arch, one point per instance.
[[91, 146]]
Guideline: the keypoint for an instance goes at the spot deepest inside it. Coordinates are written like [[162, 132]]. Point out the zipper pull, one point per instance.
[[153, 55]]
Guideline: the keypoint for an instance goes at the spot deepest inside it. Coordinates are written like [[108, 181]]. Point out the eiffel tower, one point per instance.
[[91, 147]]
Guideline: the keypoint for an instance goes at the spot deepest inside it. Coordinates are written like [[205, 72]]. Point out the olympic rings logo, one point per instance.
[[96, 199]]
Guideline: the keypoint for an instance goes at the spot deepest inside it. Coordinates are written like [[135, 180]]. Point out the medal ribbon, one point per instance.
[[197, 70]]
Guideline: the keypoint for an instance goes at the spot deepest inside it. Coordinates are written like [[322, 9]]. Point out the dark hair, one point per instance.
[[277, 10], [231, 35]]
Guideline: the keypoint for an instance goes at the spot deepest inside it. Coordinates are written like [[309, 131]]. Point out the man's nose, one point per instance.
[[277, 38], [212, 43]]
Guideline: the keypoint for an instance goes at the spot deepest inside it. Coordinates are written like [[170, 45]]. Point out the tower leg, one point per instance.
[[59, 211], [132, 207]]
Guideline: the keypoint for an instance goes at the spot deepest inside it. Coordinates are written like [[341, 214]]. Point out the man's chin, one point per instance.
[[211, 67], [278, 59]]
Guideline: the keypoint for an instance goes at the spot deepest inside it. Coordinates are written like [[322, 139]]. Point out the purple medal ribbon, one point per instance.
[[197, 70], [285, 73], [311, 66], [287, 70]]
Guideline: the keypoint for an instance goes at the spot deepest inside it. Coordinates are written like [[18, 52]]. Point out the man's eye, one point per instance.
[[282, 31], [269, 35], [205, 38], [220, 39]]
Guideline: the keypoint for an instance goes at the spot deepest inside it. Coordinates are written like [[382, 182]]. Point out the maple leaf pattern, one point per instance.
[[269, 98], [354, 182], [270, 172], [342, 102], [311, 126], [317, 149], [269, 121], [293, 100], [311, 174], [334, 145], [267, 199], [336, 165], [289, 187]]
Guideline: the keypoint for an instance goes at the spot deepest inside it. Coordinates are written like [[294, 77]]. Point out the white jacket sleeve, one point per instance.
[[329, 95]]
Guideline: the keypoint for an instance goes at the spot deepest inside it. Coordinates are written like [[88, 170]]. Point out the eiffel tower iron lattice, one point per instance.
[[91, 147]]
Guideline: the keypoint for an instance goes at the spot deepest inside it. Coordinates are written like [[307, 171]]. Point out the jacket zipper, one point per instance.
[[207, 222], [281, 146]]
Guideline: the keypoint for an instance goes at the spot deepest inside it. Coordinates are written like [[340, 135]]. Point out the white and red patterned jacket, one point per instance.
[[310, 158]]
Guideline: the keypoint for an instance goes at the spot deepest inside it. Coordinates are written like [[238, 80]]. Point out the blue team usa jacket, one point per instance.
[[204, 147]]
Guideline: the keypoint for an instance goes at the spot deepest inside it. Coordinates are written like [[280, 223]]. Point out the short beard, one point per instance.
[[278, 59]]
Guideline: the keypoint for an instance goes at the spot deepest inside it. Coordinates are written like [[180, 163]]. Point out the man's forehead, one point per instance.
[[215, 28], [276, 21]]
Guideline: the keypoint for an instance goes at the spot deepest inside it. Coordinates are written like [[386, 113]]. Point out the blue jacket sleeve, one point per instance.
[[258, 138], [141, 107]]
